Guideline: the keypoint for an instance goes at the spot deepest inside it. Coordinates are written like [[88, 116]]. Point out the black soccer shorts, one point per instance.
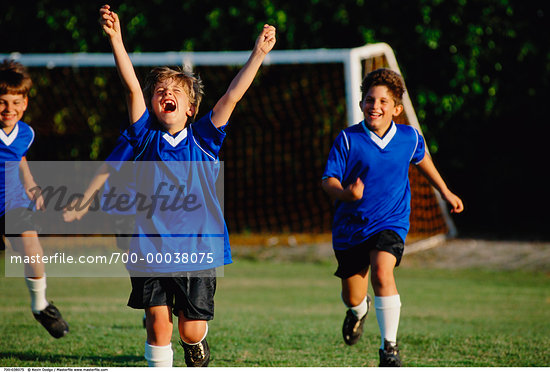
[[355, 259], [19, 220], [192, 294]]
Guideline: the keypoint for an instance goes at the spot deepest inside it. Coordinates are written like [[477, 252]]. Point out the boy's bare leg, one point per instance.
[[383, 281], [28, 245], [387, 304], [158, 323], [158, 348], [354, 288], [47, 314], [354, 296], [193, 340]]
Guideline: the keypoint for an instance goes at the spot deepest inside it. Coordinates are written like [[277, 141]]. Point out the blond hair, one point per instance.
[[183, 76]]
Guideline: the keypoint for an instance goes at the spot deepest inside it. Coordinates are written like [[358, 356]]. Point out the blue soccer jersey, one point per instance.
[[13, 147], [122, 175], [185, 223], [383, 166]]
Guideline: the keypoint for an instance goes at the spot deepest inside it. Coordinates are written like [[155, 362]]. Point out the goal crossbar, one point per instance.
[[351, 58]]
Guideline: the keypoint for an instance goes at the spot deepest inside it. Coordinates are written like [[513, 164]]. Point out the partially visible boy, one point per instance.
[[164, 131], [16, 183], [367, 177]]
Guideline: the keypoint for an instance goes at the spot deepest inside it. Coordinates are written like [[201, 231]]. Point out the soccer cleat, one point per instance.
[[389, 357], [51, 319], [197, 355], [353, 327]]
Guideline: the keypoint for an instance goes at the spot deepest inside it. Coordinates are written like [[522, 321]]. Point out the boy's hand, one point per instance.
[[266, 40], [109, 22], [40, 205], [35, 194], [354, 191], [72, 214], [454, 201]]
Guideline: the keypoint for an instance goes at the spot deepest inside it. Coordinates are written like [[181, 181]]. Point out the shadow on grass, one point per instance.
[[79, 360]]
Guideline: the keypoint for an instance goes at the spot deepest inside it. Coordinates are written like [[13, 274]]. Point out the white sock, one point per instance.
[[159, 356], [203, 337], [388, 310], [359, 310], [37, 290]]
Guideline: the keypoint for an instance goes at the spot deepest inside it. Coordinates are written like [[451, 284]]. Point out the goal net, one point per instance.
[[278, 141]]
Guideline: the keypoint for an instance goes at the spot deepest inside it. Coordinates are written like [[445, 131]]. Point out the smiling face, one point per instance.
[[171, 106], [12, 108], [379, 108]]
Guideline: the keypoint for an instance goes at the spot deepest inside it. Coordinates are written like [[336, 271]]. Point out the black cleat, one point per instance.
[[51, 319], [353, 327], [197, 355], [389, 357]]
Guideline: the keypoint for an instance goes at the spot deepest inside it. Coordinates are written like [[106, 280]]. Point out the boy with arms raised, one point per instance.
[[18, 188], [169, 135], [367, 176]]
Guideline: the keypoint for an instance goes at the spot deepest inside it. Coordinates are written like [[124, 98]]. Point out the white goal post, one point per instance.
[[351, 60]]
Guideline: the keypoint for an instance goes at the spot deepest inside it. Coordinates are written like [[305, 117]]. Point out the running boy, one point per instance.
[[367, 176], [17, 189], [170, 135]]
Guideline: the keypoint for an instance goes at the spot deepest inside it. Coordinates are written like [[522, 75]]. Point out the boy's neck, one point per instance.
[[380, 132], [7, 128], [173, 129]]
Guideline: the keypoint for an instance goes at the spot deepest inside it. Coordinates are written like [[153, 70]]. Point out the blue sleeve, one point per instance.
[[337, 158], [136, 133], [122, 152], [420, 149], [31, 138], [210, 137]]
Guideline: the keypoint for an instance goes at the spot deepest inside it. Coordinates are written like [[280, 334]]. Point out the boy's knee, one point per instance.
[[352, 299], [382, 276], [192, 332]]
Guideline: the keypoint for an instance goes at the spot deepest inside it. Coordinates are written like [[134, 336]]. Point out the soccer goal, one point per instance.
[[278, 141]]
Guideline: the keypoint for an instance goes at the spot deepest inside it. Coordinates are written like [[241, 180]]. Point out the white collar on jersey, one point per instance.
[[174, 141], [9, 138], [384, 141]]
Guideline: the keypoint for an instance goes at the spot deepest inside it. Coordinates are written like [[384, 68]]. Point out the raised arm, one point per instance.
[[240, 84], [134, 96], [428, 169]]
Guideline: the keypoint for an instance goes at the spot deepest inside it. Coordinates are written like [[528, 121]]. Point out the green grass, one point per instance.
[[290, 314]]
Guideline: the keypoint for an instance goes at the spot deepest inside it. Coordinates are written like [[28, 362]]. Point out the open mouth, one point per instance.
[[168, 106]]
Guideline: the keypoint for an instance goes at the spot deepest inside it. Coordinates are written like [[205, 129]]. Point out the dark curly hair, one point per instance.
[[385, 77]]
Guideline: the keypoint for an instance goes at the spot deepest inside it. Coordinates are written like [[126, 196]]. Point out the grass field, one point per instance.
[[290, 314]]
